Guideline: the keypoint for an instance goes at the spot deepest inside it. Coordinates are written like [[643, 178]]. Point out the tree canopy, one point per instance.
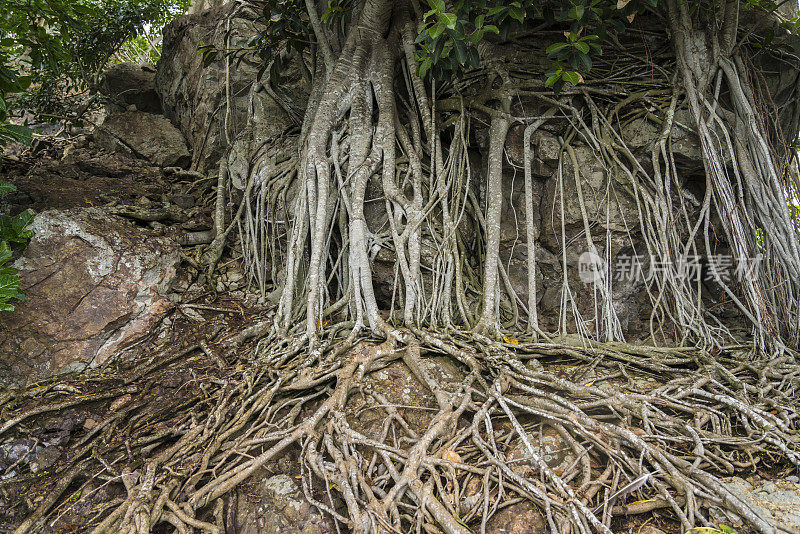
[[51, 50]]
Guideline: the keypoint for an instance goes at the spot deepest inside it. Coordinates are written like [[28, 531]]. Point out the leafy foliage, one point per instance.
[[49, 50], [14, 233], [61, 45], [10, 83], [448, 41]]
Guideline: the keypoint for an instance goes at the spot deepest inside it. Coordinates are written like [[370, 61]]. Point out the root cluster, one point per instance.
[[632, 447]]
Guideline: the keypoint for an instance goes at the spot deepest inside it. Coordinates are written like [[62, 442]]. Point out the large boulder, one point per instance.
[[132, 84], [643, 134], [195, 89], [607, 208], [144, 135], [95, 283]]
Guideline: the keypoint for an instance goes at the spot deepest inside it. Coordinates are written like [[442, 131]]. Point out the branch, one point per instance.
[[327, 53], [730, 26]]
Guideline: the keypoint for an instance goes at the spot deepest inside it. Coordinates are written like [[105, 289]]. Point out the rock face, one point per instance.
[[132, 84], [144, 135], [94, 282], [276, 505], [778, 499], [194, 91]]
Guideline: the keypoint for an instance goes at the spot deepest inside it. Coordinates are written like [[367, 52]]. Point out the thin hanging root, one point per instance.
[[665, 444]]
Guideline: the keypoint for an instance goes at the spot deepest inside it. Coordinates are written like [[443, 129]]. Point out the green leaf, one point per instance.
[[495, 10], [474, 58], [9, 284], [83, 9], [571, 76], [517, 14], [552, 79], [583, 47], [436, 30], [23, 82], [424, 67], [14, 132], [438, 5], [555, 47], [6, 188], [461, 52], [587, 61], [576, 13], [5, 252], [449, 20], [20, 223]]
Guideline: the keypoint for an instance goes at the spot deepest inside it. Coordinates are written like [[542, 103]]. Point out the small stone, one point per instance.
[[547, 445], [521, 518], [768, 487], [45, 458], [548, 148], [534, 365], [183, 201]]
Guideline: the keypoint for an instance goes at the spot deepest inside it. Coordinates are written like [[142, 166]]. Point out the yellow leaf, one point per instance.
[[588, 384], [451, 456], [640, 502], [511, 340]]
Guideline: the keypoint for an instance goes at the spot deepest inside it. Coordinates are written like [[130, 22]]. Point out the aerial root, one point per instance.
[[623, 439]]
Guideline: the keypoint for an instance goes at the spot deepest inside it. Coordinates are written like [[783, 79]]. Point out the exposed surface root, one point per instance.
[[628, 439]]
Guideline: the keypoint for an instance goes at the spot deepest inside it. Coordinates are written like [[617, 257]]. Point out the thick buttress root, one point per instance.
[[656, 446]]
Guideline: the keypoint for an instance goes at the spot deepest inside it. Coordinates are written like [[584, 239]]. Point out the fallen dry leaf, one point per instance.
[[451, 456]]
